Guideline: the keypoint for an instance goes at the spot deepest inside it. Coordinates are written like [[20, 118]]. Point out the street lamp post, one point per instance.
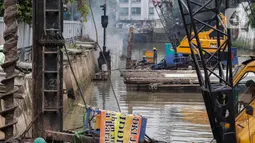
[[104, 22], [104, 57]]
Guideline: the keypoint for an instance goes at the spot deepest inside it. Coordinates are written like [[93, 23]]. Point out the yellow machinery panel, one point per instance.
[[208, 43], [149, 56], [245, 124]]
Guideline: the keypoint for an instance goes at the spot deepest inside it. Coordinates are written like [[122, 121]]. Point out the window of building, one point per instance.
[[151, 10], [136, 11], [124, 1], [124, 11], [136, 0]]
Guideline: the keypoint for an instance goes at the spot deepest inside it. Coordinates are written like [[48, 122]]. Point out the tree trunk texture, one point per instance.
[[11, 57]]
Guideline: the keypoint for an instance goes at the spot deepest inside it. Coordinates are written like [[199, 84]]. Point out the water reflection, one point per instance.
[[172, 117]]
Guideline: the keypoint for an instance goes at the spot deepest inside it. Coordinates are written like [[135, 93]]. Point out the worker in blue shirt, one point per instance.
[[144, 59], [155, 55]]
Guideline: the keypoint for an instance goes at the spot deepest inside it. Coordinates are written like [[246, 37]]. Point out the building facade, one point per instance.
[[136, 10]]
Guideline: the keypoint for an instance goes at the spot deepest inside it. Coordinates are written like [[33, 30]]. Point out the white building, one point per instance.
[[136, 10]]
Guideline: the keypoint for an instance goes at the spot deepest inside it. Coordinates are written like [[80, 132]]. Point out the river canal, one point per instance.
[[172, 117]]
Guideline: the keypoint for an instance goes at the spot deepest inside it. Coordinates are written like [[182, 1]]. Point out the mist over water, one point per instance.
[[114, 39]]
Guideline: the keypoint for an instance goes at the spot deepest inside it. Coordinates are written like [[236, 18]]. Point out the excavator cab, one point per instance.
[[245, 121]]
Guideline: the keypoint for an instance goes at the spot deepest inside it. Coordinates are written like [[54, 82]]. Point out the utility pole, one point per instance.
[[130, 47], [103, 54], [11, 57], [47, 66], [104, 22]]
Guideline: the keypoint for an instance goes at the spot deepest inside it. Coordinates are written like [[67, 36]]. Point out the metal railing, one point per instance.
[[25, 54]]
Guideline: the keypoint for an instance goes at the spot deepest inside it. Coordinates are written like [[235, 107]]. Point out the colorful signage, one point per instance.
[[118, 127]]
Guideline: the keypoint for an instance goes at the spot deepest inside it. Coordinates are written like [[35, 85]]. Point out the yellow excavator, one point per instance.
[[229, 123], [245, 123], [208, 42]]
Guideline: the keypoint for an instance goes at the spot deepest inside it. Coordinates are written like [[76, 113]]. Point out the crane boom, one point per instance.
[[164, 10]]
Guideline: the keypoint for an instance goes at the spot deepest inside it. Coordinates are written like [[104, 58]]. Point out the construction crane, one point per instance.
[[164, 10], [227, 125]]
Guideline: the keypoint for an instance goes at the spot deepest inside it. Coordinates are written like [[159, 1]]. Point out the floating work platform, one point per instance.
[[167, 79]]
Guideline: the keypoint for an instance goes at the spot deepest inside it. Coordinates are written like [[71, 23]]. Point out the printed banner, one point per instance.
[[120, 128]]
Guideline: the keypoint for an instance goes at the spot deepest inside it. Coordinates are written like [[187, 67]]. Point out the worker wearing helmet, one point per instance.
[[155, 55]]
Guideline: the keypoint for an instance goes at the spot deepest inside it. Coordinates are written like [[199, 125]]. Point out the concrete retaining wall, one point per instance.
[[84, 64]]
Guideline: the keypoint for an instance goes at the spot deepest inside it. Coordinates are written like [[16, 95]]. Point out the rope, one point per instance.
[[93, 18], [103, 56], [211, 140], [22, 136], [109, 77], [77, 83], [106, 62]]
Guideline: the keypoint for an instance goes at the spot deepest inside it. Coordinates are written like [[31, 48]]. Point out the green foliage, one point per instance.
[[25, 11], [82, 7]]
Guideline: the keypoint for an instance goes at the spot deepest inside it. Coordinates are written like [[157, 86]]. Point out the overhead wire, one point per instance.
[[77, 133]]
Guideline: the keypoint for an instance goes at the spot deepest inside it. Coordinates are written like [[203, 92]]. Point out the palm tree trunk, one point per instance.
[[11, 57]]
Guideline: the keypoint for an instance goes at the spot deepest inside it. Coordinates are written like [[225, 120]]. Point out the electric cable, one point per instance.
[[79, 88], [77, 83], [93, 18]]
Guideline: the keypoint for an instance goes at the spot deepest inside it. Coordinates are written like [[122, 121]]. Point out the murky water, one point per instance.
[[172, 117]]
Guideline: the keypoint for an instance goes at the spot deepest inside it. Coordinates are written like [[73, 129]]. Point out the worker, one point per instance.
[[155, 55], [39, 140], [144, 60]]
